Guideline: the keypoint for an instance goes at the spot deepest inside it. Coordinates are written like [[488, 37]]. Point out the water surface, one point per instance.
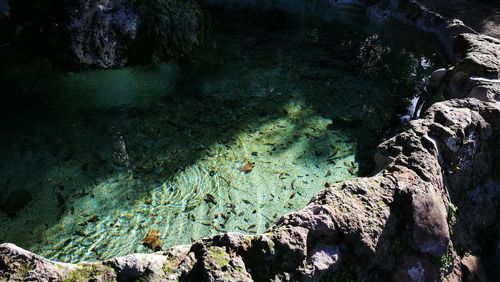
[[108, 155]]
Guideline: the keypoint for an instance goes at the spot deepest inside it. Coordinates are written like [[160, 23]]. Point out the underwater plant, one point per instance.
[[171, 28]]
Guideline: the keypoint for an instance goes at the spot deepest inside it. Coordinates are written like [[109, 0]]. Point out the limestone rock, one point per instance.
[[17, 264], [473, 269], [102, 32], [316, 218], [416, 269], [105, 33], [218, 265], [430, 228], [479, 64]]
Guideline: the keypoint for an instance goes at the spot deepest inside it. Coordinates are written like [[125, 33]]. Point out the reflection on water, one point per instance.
[[117, 88], [108, 155]]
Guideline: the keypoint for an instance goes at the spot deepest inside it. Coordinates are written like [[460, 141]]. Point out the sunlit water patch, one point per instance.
[[266, 112]]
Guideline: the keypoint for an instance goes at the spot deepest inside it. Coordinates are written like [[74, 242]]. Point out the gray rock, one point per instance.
[[485, 90], [102, 32], [218, 265], [478, 61], [416, 269], [20, 265], [317, 219], [430, 228], [473, 269]]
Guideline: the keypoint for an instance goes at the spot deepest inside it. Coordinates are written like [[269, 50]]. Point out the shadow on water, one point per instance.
[[264, 88]]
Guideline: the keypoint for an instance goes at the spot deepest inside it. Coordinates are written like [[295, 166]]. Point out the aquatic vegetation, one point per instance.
[[171, 27]]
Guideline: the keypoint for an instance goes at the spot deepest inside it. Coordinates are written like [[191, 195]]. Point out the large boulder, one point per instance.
[[477, 72]]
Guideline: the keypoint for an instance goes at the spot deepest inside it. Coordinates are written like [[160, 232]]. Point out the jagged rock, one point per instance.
[[317, 219], [478, 64], [322, 259], [102, 32], [237, 241], [218, 265], [473, 269]]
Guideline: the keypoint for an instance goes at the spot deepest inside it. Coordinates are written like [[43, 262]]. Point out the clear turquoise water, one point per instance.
[[108, 155]]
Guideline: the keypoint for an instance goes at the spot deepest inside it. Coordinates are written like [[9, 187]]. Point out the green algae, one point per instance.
[[218, 255], [169, 267], [88, 272], [24, 269]]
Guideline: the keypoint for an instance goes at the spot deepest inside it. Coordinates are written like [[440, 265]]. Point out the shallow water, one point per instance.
[[109, 155]]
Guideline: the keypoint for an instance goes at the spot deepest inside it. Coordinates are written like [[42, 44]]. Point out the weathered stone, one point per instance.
[[430, 228], [473, 269], [218, 265], [317, 219], [361, 212], [236, 242], [416, 269], [485, 90], [105, 33], [134, 266], [321, 260], [479, 64], [17, 264], [102, 32]]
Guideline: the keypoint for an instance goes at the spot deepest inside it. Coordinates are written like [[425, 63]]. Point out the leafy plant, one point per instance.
[[452, 216], [446, 262]]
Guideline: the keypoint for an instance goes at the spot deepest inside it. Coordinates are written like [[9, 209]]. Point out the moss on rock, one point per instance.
[[168, 28], [218, 256], [87, 272]]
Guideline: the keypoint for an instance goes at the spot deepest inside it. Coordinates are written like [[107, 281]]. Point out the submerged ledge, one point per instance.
[[435, 194]]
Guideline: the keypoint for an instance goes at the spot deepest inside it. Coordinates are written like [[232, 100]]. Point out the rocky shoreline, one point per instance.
[[429, 212]]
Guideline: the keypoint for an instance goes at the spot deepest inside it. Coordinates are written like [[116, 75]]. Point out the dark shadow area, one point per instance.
[[481, 15]]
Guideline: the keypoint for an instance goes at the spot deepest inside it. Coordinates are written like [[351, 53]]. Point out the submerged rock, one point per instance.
[[16, 202]]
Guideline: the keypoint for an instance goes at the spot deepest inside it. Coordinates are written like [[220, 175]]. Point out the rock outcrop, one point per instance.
[[430, 212], [106, 33]]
